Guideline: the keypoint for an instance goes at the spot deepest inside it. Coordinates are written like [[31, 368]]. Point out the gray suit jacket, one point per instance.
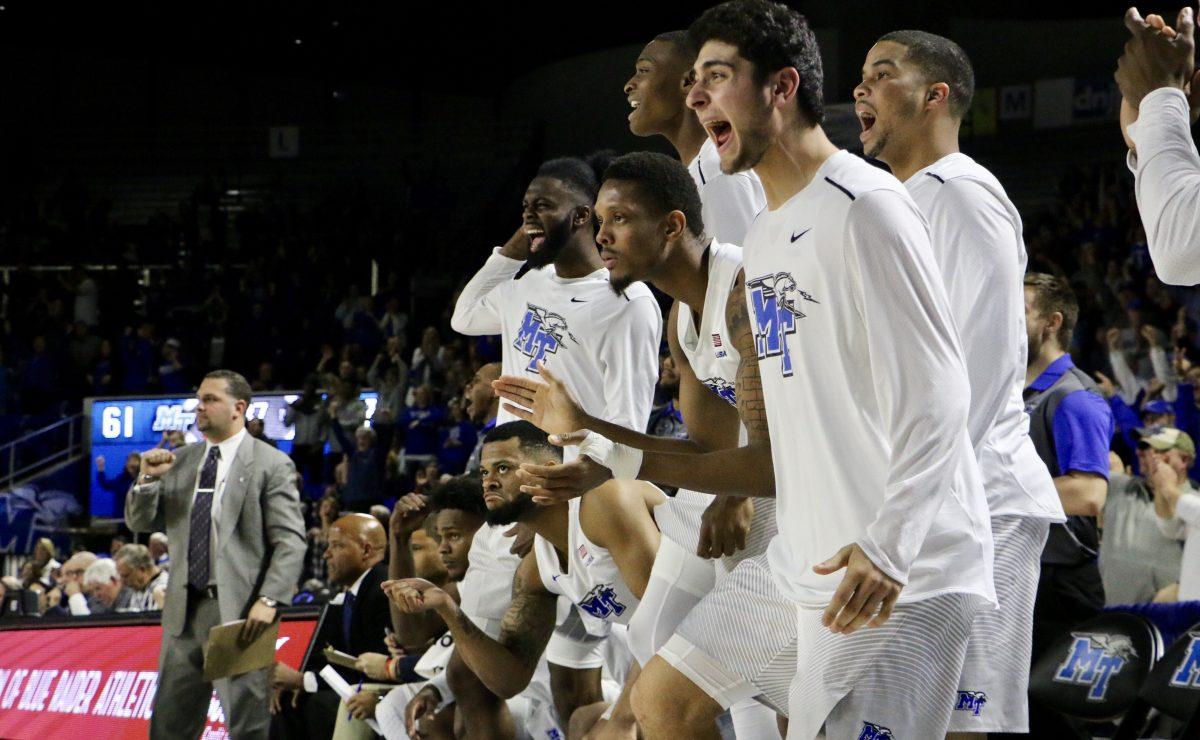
[[260, 531]]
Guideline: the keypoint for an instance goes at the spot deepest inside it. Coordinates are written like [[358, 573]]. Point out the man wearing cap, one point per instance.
[[1176, 501], [1138, 562], [1071, 426]]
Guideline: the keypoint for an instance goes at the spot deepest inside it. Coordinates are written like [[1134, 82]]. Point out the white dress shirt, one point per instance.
[[228, 452]]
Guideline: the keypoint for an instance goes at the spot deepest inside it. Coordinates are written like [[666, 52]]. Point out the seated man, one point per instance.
[[77, 602], [354, 560], [602, 551], [106, 593], [145, 579]]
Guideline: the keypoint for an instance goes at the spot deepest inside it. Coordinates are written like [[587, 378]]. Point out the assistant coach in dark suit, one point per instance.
[[231, 511]]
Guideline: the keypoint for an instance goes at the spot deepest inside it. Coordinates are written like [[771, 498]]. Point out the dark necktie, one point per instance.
[[347, 615], [200, 529]]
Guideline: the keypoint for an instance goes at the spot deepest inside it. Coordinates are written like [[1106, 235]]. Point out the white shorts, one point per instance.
[[992, 693], [679, 518], [739, 642], [896, 681]]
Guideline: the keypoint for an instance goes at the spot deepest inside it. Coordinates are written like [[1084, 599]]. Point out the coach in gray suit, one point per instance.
[[231, 511]]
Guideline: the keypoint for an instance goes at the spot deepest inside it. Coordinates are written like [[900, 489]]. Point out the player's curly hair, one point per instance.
[[528, 436], [664, 184], [771, 36], [461, 493]]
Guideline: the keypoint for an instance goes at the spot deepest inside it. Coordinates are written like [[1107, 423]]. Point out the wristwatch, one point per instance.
[[268, 602], [146, 478]]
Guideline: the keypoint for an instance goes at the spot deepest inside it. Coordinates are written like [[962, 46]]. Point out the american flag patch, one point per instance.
[[716, 340]]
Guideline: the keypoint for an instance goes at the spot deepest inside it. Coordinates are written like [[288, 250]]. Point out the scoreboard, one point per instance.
[[121, 425]]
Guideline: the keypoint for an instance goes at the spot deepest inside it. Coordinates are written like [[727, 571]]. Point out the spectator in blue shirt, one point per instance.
[[365, 459], [118, 485], [458, 440], [421, 422]]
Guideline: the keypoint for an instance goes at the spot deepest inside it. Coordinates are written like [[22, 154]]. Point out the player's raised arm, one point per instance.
[[505, 666]]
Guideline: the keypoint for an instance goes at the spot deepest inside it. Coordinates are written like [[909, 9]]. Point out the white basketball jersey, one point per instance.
[[708, 347], [866, 390], [592, 580], [975, 231], [486, 589]]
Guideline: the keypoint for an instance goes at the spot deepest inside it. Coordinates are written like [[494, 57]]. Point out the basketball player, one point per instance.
[[563, 312], [657, 93], [848, 312], [602, 551], [915, 89], [652, 229]]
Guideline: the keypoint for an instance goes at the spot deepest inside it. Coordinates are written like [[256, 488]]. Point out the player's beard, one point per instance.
[[512, 511], [557, 236], [754, 138], [885, 134]]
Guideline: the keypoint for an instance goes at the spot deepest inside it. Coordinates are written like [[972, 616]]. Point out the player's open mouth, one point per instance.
[[633, 104], [537, 237], [866, 120], [720, 131]]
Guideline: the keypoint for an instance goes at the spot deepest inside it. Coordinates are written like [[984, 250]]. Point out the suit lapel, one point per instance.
[[235, 489]]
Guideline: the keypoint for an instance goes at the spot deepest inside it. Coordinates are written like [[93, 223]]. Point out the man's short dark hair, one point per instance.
[[771, 36], [581, 174], [530, 437], [1053, 294], [680, 40], [461, 493], [664, 184], [238, 387], [940, 60]]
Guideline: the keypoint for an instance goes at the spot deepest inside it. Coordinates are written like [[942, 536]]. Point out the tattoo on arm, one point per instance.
[[527, 624], [752, 408]]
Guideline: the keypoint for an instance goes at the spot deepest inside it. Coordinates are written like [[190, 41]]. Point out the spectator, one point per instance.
[[421, 422], [458, 440], [482, 405], [116, 543], [172, 376], [394, 321], [257, 428], [45, 562], [349, 412], [1071, 426], [667, 420], [118, 485], [100, 374], [102, 583], [137, 358], [146, 581], [427, 361], [329, 510], [305, 416], [389, 376], [160, 550], [1136, 560], [365, 462], [266, 378], [1176, 502], [78, 602]]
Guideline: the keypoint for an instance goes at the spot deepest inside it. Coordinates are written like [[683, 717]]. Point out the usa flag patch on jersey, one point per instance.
[[716, 340]]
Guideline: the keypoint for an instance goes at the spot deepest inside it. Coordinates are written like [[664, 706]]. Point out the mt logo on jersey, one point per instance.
[[722, 388], [775, 300], [541, 334]]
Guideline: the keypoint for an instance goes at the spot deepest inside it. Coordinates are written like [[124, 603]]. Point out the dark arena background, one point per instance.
[[300, 192]]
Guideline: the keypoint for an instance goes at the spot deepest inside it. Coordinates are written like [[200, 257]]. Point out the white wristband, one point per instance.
[[624, 461]]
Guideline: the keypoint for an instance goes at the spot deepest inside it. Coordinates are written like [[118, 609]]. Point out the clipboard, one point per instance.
[[337, 657], [225, 655]]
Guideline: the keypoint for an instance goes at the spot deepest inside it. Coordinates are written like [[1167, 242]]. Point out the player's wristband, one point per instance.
[[624, 461]]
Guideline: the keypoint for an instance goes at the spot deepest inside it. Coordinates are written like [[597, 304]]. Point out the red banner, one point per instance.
[[99, 682]]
